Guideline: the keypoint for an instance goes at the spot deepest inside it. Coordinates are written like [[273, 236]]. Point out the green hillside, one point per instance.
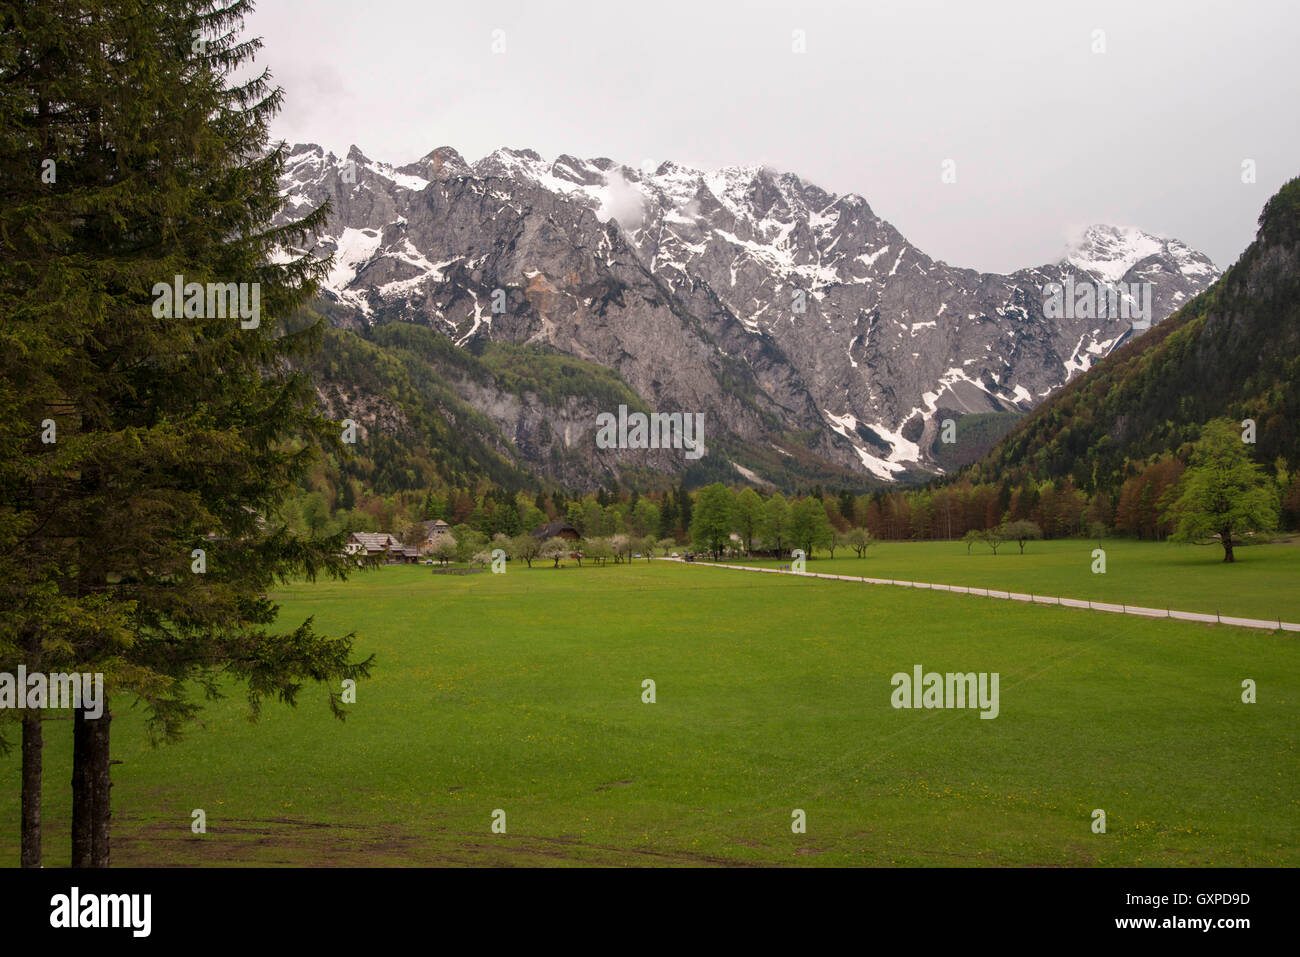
[[1232, 351]]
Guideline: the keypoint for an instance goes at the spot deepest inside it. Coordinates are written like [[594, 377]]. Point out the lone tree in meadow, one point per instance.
[[1021, 532], [859, 539], [1224, 493]]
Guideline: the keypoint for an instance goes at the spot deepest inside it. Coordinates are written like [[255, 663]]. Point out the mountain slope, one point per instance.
[[430, 413], [771, 306], [1234, 351]]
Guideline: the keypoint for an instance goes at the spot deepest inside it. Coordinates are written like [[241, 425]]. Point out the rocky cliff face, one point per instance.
[[782, 312]]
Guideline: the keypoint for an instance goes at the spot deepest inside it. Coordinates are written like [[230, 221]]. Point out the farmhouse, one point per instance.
[[380, 547], [434, 531], [369, 544], [559, 529]]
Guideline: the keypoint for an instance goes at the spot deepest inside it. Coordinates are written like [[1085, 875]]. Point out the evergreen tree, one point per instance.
[[575, 517], [146, 529], [507, 516], [846, 505], [1004, 498], [346, 500], [668, 514]]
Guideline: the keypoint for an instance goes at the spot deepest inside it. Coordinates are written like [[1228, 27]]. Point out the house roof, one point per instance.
[[553, 529], [374, 540], [435, 523]]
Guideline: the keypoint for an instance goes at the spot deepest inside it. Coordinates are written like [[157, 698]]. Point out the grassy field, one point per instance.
[[522, 692], [1264, 581]]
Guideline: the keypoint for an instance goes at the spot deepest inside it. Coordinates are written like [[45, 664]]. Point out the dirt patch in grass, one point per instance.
[[287, 842]]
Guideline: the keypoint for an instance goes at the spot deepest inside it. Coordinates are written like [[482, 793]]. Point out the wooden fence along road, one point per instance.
[[1271, 625]]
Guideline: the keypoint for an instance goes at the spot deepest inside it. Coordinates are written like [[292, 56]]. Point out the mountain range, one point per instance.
[[1233, 351], [815, 339]]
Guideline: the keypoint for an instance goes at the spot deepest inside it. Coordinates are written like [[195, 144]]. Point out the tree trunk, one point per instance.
[[1227, 549], [33, 757], [102, 787], [91, 790], [82, 798], [31, 789]]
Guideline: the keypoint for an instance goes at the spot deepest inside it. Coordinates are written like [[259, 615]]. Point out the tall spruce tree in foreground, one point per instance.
[[1224, 492], [141, 542]]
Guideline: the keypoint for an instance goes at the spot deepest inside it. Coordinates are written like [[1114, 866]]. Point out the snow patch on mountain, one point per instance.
[[1110, 252], [827, 303]]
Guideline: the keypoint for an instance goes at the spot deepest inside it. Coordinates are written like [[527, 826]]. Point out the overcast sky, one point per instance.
[[1045, 135]]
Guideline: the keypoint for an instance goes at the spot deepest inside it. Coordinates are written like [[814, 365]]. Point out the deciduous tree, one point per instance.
[[776, 523], [713, 521], [1020, 532], [1224, 493]]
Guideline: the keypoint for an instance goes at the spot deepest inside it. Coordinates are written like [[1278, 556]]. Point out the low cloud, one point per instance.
[[621, 201]]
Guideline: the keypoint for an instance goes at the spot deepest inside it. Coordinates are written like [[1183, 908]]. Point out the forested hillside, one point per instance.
[[1232, 351]]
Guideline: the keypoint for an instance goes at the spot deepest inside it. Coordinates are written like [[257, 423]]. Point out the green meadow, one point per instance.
[[1264, 581], [523, 693]]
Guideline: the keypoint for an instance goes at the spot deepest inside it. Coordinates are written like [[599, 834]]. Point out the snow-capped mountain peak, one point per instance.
[[1110, 252], [694, 283]]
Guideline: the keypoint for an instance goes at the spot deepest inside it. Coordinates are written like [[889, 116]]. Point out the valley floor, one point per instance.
[[523, 693], [1264, 581]]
